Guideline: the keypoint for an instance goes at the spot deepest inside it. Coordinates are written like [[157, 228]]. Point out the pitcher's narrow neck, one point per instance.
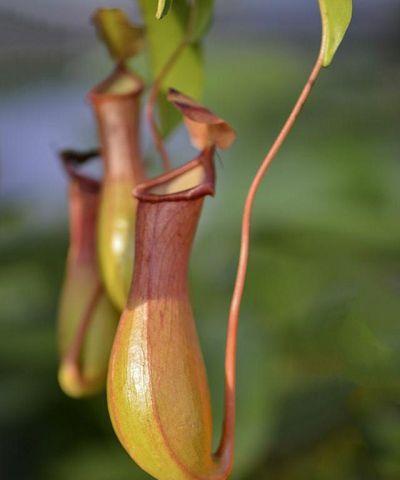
[[164, 237], [83, 208], [116, 103], [167, 217]]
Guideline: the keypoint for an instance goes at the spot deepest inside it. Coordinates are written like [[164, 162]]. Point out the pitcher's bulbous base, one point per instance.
[[158, 393]]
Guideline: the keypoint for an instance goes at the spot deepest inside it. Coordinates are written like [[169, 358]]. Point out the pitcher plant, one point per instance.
[[87, 320], [157, 389], [116, 103], [158, 395]]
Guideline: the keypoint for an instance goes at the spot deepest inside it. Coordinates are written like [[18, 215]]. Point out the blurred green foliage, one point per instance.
[[319, 348]]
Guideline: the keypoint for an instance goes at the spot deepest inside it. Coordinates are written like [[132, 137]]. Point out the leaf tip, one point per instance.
[[336, 17], [163, 7]]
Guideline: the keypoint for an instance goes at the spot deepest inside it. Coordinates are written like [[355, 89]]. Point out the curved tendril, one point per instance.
[[227, 441]]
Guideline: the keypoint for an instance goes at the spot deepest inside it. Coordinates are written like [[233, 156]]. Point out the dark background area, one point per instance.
[[319, 351]]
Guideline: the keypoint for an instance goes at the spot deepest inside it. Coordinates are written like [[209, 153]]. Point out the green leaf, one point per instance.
[[163, 38], [122, 38], [163, 8], [201, 16], [202, 12], [336, 17]]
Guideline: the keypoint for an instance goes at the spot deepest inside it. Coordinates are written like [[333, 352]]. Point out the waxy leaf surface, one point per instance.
[[163, 38], [163, 8], [336, 17], [202, 16]]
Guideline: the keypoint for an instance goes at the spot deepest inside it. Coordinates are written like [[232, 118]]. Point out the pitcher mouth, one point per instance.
[[191, 181], [121, 84]]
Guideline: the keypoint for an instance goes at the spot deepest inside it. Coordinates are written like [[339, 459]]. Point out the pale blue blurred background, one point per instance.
[[319, 355]]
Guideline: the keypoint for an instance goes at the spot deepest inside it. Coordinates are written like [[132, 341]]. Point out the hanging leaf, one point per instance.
[[162, 8], [122, 38], [205, 128], [202, 14], [336, 17], [163, 39]]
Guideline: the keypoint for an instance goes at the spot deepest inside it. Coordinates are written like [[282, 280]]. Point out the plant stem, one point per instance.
[[227, 441]]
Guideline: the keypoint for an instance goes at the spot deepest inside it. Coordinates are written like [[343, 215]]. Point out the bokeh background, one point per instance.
[[319, 354]]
